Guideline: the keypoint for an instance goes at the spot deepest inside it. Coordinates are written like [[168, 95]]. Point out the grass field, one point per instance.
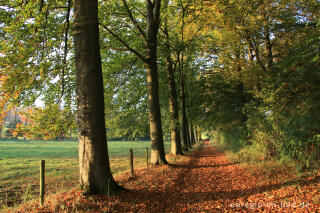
[[19, 170]]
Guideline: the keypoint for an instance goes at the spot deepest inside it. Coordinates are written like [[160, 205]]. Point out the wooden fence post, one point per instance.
[[147, 156], [42, 181], [131, 161]]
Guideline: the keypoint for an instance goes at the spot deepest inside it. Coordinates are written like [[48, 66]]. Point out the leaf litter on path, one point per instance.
[[201, 181]]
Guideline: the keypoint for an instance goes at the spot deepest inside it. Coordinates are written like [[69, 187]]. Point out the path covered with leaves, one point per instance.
[[202, 181]]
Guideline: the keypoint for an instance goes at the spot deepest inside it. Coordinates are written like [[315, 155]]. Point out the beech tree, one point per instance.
[[36, 63], [149, 59], [171, 67], [186, 53], [254, 76], [94, 162]]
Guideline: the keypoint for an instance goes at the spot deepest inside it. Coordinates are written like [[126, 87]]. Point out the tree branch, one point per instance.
[[124, 43], [141, 32], [65, 47], [194, 36], [116, 49], [150, 4], [41, 5], [144, 15], [157, 5], [44, 40], [255, 48]]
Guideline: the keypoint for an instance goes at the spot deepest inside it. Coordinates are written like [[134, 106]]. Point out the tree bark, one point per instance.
[[196, 135], [150, 62], [157, 145], [93, 151], [268, 44], [255, 48], [268, 47], [193, 140], [190, 136], [184, 121], [176, 147], [184, 124]]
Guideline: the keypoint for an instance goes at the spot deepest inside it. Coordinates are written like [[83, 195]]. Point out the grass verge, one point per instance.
[[19, 171]]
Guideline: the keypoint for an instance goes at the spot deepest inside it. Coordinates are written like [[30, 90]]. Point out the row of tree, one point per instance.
[[263, 92], [37, 37], [246, 68]]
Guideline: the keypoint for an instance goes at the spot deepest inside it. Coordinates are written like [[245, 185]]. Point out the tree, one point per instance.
[[262, 81], [94, 162], [149, 58], [58, 122], [184, 121], [190, 44], [35, 60], [126, 100], [176, 147]]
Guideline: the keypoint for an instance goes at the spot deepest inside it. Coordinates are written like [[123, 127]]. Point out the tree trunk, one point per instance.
[[196, 135], [268, 44], [176, 148], [255, 48], [93, 151], [184, 121], [183, 113], [268, 47], [188, 135], [15, 121], [157, 145], [193, 140]]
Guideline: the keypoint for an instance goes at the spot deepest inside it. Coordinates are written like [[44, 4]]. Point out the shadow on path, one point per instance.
[[189, 184], [200, 166]]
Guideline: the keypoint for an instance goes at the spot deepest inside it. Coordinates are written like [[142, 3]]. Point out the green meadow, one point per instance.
[[19, 170]]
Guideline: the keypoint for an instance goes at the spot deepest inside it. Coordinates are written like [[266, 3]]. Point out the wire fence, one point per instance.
[[19, 171]]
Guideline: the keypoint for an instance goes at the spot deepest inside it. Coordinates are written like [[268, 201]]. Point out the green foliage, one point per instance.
[[32, 36], [251, 71], [35, 63], [125, 97], [275, 105], [231, 139], [297, 100], [224, 100], [58, 123], [255, 152]]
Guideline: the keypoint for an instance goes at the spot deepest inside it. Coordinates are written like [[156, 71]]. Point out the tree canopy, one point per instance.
[[248, 69]]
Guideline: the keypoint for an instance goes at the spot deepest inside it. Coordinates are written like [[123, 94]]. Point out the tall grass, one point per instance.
[[254, 156]]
